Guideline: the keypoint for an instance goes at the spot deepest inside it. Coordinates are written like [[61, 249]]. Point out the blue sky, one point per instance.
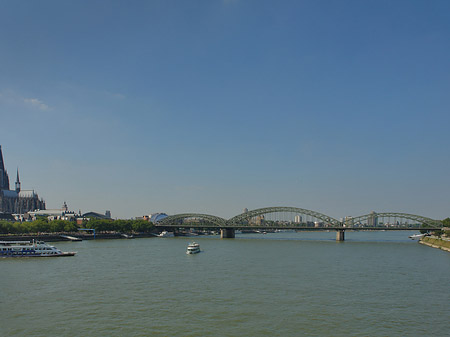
[[341, 107]]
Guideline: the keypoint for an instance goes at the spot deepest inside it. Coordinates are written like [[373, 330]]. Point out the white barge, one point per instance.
[[30, 249]]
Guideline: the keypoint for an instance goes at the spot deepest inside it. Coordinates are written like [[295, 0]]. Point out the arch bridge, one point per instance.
[[192, 220], [373, 218], [247, 216], [281, 217]]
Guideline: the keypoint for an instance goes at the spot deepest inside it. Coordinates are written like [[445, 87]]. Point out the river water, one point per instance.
[[277, 284]]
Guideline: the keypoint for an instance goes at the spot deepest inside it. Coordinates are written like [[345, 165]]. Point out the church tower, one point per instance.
[[4, 179], [17, 182]]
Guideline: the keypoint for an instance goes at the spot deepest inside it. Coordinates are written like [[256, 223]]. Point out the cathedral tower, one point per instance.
[[4, 179], [17, 182]]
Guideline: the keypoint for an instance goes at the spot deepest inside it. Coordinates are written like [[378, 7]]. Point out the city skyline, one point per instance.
[[210, 107]]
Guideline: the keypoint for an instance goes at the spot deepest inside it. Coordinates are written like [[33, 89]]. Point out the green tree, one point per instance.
[[6, 227], [100, 225], [70, 226], [123, 226], [57, 226], [142, 226], [21, 227], [39, 225]]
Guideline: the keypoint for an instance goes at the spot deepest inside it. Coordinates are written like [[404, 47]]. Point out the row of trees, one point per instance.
[[58, 226], [122, 226], [39, 225]]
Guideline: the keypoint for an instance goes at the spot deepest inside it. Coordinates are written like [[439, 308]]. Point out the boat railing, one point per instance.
[[10, 243]]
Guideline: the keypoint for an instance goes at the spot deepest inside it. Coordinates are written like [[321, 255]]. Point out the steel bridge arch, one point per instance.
[[267, 210], [218, 221], [421, 219]]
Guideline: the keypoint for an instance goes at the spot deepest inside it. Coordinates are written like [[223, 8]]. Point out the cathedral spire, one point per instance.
[[4, 179], [2, 166], [17, 182]]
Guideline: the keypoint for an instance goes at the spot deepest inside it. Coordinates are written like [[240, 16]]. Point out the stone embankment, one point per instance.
[[436, 242]]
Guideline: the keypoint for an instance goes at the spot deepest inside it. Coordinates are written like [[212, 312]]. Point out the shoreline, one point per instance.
[[435, 242], [58, 237]]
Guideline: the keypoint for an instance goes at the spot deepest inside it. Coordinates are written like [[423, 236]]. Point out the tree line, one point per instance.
[[59, 226]]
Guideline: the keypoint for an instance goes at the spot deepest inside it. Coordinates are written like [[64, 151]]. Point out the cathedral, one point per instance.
[[16, 201]]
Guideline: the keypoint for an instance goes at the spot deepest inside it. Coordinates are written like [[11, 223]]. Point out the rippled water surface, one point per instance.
[[280, 284]]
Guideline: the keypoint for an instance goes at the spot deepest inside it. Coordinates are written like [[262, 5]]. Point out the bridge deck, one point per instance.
[[303, 228]]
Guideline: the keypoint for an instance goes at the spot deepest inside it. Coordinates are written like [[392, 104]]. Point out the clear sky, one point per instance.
[[342, 107]]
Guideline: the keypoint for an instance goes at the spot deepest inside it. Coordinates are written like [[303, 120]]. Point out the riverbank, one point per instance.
[[64, 236], [435, 242]]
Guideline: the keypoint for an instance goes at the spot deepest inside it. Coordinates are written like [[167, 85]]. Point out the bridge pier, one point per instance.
[[227, 233], [340, 235]]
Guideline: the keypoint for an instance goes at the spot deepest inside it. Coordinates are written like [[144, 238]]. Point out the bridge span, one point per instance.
[[299, 219]]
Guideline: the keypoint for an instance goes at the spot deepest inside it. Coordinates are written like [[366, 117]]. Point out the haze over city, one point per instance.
[[213, 106]]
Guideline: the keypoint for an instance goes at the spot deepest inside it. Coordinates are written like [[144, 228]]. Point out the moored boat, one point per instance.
[[166, 234], [193, 248], [127, 236], [30, 249], [416, 236]]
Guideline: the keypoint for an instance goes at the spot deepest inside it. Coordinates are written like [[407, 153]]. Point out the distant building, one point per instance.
[[372, 220], [53, 214], [298, 219], [348, 221], [155, 217], [260, 220], [16, 201], [96, 215]]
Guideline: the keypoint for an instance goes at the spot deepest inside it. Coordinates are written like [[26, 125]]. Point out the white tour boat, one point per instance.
[[193, 248], [30, 249]]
